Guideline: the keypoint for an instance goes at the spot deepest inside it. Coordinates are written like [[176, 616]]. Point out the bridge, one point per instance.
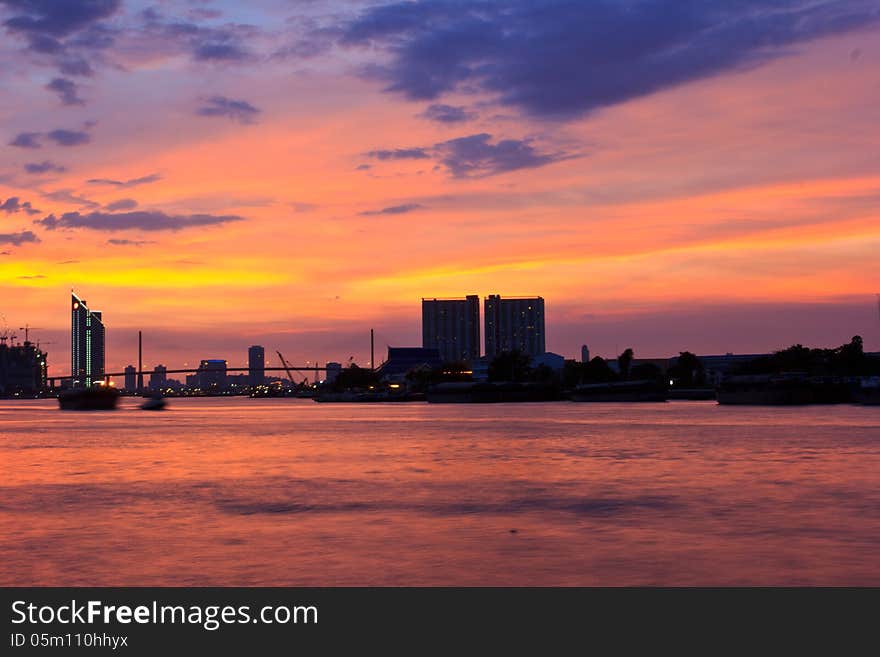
[[195, 370]]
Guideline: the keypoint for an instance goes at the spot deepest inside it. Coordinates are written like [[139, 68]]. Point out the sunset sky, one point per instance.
[[667, 175]]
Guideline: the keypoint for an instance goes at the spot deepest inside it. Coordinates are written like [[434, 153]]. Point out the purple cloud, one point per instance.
[[26, 140], [394, 209], [140, 220], [13, 205], [17, 239], [44, 167], [236, 110], [66, 90]]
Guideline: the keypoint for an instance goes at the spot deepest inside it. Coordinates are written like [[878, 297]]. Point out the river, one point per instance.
[[237, 491]]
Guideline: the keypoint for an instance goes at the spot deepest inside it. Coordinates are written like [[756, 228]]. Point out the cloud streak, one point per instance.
[[392, 210], [240, 111], [131, 182], [140, 220], [400, 154], [44, 167]]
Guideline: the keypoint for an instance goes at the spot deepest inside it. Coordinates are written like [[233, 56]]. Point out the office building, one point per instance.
[[130, 378], [585, 354], [87, 338], [212, 373], [452, 327], [514, 323], [256, 365], [158, 377]]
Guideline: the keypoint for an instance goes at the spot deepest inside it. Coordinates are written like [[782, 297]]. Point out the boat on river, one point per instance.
[[97, 398]]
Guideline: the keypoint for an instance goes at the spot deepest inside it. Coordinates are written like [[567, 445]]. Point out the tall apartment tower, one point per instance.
[[130, 378], [256, 365], [87, 336], [452, 326], [514, 323]]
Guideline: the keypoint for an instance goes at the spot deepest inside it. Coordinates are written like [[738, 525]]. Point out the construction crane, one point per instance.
[[27, 329], [286, 367]]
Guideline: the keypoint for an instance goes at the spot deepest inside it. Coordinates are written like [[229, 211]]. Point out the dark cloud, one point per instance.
[[121, 204], [141, 220], [31, 278], [69, 137], [363, 167], [564, 58], [66, 90], [303, 207], [131, 182], [26, 140], [75, 65], [57, 18], [119, 242], [70, 31], [400, 154], [44, 167], [17, 239], [44, 44], [237, 110], [475, 157], [447, 114], [225, 52], [394, 209], [13, 205]]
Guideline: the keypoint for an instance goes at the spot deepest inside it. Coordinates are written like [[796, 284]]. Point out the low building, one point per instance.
[[402, 360], [554, 361]]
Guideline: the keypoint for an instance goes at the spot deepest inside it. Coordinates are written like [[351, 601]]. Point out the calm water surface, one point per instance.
[[290, 492]]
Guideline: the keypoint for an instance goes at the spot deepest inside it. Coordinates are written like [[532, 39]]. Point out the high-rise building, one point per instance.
[[585, 354], [452, 327], [158, 377], [212, 373], [87, 337], [256, 365], [22, 368], [514, 323], [130, 378]]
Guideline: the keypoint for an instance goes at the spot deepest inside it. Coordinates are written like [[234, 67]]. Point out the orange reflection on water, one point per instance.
[[289, 492]]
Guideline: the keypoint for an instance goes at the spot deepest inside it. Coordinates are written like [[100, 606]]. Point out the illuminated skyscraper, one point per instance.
[[514, 323], [86, 343], [452, 326]]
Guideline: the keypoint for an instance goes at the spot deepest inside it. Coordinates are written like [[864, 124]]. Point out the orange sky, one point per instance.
[[722, 197]]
